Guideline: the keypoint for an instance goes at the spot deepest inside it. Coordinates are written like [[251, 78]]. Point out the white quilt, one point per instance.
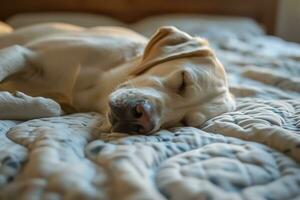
[[252, 153]]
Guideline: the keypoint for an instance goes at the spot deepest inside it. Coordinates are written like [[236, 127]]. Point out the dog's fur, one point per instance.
[[85, 69]]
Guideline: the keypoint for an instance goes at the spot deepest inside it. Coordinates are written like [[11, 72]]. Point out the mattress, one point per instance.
[[250, 153]]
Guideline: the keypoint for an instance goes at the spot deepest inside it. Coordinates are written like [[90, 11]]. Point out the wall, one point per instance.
[[288, 21]]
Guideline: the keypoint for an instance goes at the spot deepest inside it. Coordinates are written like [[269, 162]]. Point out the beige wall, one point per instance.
[[288, 21]]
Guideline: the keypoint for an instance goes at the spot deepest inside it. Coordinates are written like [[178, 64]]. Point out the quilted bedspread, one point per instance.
[[252, 153]]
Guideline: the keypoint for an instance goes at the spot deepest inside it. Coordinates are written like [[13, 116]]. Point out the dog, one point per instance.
[[141, 85]]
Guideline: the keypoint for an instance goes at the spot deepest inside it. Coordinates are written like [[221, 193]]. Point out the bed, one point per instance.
[[250, 153]]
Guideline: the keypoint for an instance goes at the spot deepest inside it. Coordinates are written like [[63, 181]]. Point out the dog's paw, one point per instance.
[[20, 106]]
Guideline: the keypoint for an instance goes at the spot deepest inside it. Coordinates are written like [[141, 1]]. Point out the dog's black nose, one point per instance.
[[133, 117], [127, 111]]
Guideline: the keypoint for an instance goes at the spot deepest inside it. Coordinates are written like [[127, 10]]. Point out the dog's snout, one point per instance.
[[133, 117], [127, 111]]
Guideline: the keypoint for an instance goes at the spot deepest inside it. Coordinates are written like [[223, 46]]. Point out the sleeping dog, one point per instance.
[[141, 86]]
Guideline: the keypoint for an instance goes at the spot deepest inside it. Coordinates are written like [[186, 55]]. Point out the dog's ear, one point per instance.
[[170, 43]]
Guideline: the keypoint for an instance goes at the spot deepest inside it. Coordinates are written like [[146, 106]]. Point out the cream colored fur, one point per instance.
[[84, 69]]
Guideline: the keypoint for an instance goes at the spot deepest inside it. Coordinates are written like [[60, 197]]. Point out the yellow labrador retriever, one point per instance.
[[172, 79]]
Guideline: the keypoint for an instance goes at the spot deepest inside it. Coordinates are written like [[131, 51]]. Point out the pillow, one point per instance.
[[208, 26], [5, 28], [202, 25], [79, 19]]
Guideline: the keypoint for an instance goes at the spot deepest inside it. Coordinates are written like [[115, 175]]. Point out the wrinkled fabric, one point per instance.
[[250, 153]]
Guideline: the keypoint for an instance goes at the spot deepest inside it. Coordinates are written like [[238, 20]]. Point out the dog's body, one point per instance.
[[141, 85], [70, 64]]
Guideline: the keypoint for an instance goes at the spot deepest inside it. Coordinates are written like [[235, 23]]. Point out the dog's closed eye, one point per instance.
[[179, 81], [182, 85], [186, 81]]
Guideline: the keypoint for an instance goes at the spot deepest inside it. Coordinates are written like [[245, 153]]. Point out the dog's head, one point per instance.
[[178, 82]]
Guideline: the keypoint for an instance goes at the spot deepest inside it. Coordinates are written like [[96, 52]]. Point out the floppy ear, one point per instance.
[[170, 43]]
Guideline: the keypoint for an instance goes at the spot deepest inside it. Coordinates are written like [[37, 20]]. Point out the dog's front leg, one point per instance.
[[13, 59], [20, 106]]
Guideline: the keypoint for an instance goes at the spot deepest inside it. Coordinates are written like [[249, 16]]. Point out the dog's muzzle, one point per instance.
[[131, 115]]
